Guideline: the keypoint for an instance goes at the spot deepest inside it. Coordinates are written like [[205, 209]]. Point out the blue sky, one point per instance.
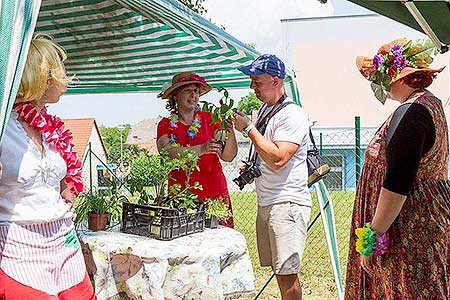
[[258, 22]]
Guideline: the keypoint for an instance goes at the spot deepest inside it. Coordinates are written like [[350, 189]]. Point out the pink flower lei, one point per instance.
[[52, 130]]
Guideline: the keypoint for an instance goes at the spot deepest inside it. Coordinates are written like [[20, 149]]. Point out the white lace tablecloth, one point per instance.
[[210, 265]]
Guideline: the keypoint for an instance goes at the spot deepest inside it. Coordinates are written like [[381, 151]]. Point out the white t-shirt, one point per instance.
[[290, 183], [30, 183]]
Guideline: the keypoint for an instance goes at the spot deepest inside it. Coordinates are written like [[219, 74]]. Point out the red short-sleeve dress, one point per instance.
[[210, 176]]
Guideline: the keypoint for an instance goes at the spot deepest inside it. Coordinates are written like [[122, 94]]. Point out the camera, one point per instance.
[[251, 171]]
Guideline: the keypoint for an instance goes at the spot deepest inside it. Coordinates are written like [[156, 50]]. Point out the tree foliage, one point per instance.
[[249, 103], [111, 139], [195, 5]]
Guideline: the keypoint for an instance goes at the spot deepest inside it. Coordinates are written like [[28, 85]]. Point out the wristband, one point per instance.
[[371, 242], [247, 129]]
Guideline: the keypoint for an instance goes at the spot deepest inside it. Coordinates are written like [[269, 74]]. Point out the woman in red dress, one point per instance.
[[189, 128], [404, 253]]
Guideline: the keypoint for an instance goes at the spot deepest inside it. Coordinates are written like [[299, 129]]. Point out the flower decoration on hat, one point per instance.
[[394, 61], [192, 77], [182, 79]]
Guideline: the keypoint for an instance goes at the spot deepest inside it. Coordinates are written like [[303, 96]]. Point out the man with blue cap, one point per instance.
[[280, 139]]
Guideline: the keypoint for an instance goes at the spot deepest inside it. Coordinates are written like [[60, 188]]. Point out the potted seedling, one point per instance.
[[181, 197], [161, 213], [223, 112], [215, 211], [95, 208], [149, 175]]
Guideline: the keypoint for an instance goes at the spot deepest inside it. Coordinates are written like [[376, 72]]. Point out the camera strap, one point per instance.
[[262, 121]]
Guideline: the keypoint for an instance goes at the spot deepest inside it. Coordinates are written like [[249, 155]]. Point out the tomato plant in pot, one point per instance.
[[162, 211], [215, 211], [182, 196], [150, 174]]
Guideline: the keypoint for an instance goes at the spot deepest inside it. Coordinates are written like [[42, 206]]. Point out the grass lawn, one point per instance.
[[316, 273]]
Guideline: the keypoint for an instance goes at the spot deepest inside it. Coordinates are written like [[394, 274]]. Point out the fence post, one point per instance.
[[358, 147], [321, 143], [90, 168]]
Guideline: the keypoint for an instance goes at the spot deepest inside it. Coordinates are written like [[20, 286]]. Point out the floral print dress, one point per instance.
[[417, 265]]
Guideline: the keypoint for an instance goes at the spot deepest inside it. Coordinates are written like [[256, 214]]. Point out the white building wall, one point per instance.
[[322, 53], [97, 148]]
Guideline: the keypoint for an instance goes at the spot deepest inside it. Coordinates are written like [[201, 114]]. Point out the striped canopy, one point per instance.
[[138, 45], [121, 46], [17, 21]]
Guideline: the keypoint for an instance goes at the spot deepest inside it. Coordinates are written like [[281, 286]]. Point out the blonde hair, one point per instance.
[[45, 61]]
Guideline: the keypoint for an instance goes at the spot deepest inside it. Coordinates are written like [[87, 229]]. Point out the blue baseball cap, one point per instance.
[[265, 64]]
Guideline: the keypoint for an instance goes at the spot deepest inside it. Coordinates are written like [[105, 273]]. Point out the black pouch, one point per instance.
[[317, 166]]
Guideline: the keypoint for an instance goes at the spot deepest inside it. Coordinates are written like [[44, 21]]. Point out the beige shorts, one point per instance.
[[281, 235]]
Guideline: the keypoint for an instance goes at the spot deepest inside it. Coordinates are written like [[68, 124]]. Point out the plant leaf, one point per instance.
[[420, 53], [223, 109], [386, 82], [378, 92]]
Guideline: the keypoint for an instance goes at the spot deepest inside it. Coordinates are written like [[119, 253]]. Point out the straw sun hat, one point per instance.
[[183, 79], [394, 61]]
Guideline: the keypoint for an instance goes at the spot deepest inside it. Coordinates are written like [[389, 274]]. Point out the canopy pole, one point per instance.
[[412, 8]]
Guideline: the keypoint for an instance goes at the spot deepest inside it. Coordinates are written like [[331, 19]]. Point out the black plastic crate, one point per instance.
[[159, 222]]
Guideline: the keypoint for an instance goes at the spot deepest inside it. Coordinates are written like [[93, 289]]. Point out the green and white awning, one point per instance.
[[138, 45], [117, 46], [431, 17], [17, 21]]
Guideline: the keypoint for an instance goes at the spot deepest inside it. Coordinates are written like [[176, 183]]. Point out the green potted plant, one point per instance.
[[150, 173], [160, 212], [180, 197], [224, 111], [215, 211], [148, 176], [95, 208]]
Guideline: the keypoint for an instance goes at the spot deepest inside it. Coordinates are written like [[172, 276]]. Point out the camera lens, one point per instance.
[[239, 182]]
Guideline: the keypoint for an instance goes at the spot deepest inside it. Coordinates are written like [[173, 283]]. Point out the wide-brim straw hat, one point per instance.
[[366, 66], [183, 79]]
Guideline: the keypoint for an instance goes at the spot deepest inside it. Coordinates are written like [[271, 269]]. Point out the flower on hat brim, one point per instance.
[[394, 61], [189, 78]]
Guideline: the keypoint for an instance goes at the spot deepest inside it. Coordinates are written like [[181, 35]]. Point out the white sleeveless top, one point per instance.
[[30, 183], [38, 243]]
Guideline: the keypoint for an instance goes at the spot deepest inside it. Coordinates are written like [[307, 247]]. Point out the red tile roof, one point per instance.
[[81, 131], [151, 146]]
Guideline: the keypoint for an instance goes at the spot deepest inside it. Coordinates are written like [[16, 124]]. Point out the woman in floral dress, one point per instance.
[[404, 190]]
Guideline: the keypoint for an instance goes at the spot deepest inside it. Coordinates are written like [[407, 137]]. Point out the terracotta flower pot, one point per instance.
[[97, 222]]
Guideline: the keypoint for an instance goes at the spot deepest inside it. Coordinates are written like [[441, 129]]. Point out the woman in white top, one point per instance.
[[40, 255]]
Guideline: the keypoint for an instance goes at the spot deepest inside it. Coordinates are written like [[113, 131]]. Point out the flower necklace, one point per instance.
[[192, 130], [52, 130]]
